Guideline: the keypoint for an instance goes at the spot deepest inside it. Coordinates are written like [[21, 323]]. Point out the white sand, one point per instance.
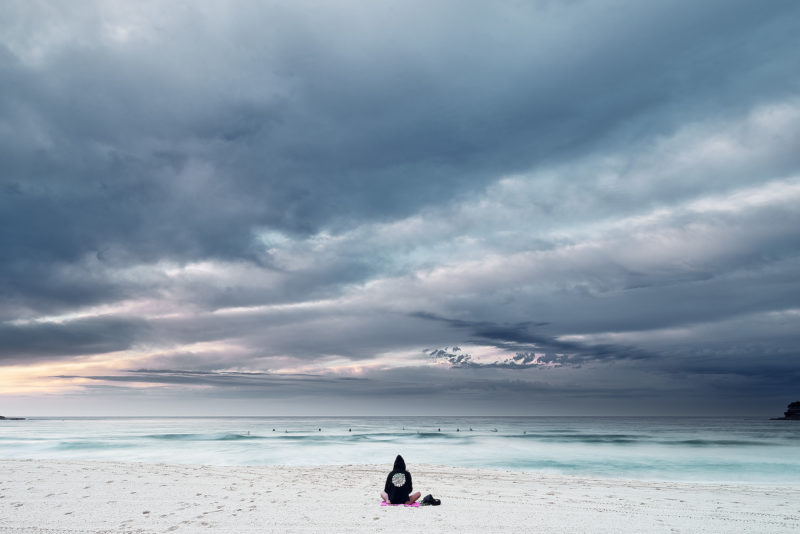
[[75, 497]]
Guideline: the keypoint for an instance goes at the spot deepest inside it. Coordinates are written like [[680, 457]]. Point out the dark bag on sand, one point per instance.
[[429, 500]]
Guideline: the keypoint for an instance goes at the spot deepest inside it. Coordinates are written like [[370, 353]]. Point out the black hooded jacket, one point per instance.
[[398, 483]]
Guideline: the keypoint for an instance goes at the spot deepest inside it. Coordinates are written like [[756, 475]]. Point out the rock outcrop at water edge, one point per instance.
[[792, 413]]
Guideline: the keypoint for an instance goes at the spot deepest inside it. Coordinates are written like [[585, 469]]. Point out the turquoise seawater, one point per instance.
[[664, 448]]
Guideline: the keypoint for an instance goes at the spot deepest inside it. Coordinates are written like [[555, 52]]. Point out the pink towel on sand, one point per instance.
[[412, 505]]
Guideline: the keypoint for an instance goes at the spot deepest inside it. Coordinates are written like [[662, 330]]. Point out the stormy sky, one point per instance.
[[450, 207]]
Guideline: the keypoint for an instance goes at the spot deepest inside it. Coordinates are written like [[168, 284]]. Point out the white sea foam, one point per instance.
[[726, 449]]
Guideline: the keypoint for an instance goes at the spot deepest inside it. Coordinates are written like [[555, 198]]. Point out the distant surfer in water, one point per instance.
[[398, 487]]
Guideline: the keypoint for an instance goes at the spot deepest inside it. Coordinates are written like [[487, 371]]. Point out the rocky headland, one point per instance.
[[792, 413]]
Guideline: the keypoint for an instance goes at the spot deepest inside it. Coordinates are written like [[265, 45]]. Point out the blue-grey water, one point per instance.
[[752, 450]]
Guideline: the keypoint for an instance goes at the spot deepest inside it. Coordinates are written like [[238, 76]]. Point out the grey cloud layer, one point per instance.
[[364, 180]]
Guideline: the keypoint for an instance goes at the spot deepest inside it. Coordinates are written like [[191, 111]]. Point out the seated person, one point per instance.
[[398, 485]]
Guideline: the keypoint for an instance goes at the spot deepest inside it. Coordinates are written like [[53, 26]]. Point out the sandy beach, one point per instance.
[[104, 497]]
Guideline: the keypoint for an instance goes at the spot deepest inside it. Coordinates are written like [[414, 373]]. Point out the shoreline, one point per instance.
[[53, 496], [432, 468]]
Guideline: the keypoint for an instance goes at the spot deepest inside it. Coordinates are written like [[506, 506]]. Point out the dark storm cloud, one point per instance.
[[21, 344], [198, 130], [567, 191], [393, 384], [523, 343], [217, 379]]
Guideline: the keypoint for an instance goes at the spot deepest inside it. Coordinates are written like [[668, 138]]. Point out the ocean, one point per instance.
[[728, 449]]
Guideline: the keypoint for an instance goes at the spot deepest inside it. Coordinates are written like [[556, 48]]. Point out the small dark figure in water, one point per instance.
[[398, 487], [349, 429], [458, 430], [438, 429], [470, 429], [273, 430], [320, 429]]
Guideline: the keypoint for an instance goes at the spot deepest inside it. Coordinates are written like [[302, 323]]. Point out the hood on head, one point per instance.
[[399, 464]]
